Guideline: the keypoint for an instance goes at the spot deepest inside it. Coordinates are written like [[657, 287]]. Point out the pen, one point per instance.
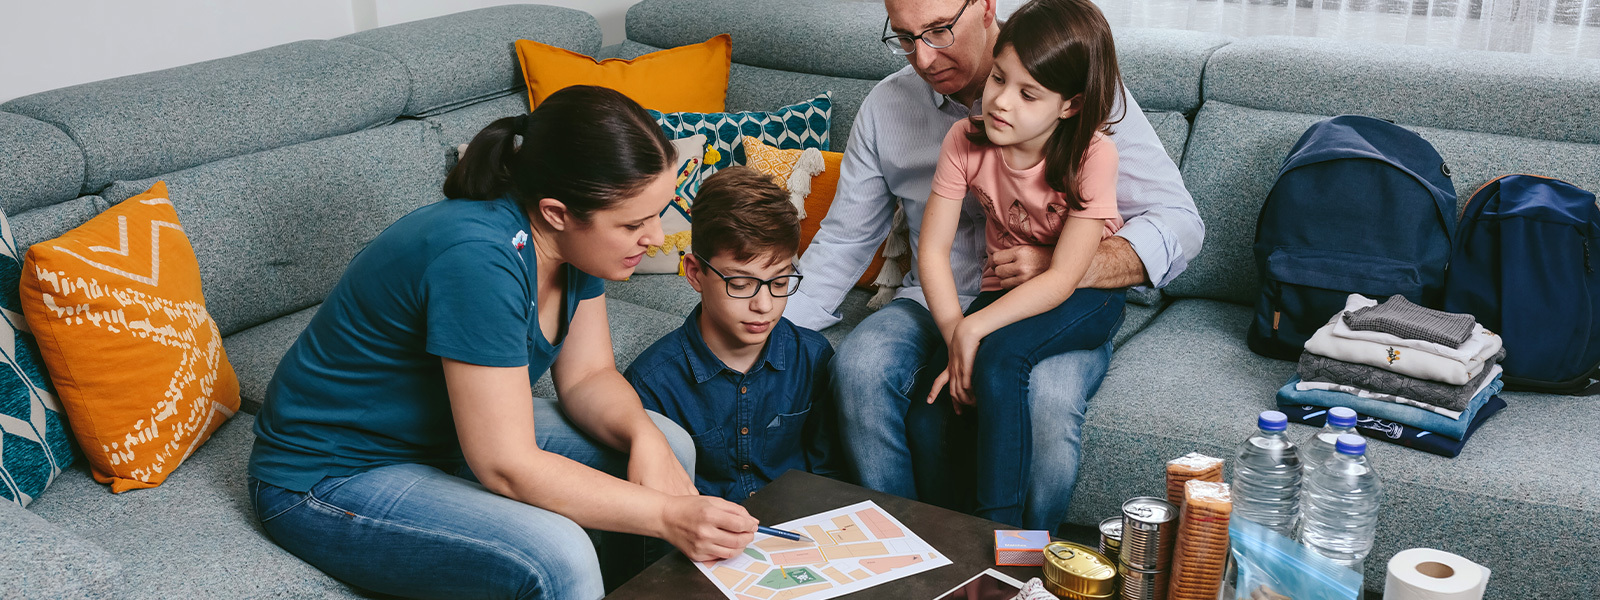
[[788, 535]]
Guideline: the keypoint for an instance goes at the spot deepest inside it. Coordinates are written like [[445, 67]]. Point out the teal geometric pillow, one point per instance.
[[798, 126], [34, 442]]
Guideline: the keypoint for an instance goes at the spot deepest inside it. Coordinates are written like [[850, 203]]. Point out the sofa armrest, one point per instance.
[[41, 560]]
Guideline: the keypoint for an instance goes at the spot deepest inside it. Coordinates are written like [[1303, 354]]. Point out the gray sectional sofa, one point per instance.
[[284, 162]]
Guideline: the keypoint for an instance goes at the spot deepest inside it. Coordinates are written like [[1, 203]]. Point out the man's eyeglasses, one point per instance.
[[743, 286], [935, 37]]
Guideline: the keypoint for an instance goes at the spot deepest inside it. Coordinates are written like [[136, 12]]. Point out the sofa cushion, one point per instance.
[[194, 537], [460, 125], [1543, 97], [275, 230], [39, 164], [1232, 160], [255, 353], [822, 37], [466, 57], [142, 125], [1162, 67], [39, 559], [689, 78], [1515, 486]]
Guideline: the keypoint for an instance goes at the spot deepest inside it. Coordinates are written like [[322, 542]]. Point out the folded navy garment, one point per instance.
[[1392, 432]]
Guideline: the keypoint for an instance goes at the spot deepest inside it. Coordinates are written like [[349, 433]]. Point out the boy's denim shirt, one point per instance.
[[748, 428]]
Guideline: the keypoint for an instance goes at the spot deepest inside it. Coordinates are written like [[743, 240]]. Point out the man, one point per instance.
[[881, 371]]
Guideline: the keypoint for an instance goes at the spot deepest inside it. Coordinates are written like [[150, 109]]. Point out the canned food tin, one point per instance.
[[1077, 572], [1143, 584], [1149, 530], [1111, 537]]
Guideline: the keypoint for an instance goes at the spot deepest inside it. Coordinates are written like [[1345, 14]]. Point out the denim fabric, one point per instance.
[[1000, 380], [1423, 419], [419, 532], [898, 444]]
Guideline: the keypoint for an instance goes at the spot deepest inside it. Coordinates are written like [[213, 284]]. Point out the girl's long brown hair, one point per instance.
[[1066, 46]]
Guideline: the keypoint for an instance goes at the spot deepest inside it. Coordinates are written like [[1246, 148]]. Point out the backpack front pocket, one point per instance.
[[1305, 287]]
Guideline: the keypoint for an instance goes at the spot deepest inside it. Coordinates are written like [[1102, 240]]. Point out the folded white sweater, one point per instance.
[[1407, 357]]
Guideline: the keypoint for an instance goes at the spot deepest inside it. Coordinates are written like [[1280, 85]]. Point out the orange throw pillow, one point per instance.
[[123, 328], [780, 165], [691, 78]]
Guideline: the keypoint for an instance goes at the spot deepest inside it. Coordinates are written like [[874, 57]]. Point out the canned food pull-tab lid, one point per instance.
[[1076, 571]]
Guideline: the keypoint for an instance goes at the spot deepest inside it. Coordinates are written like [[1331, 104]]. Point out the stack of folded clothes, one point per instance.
[[1416, 376]]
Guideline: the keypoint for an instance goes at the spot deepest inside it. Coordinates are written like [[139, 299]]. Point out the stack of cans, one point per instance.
[[1149, 532], [1111, 537]]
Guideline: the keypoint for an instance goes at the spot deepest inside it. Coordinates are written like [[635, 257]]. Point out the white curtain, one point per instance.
[[1567, 27]]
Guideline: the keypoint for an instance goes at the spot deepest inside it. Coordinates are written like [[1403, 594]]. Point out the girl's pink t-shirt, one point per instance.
[[1019, 205]]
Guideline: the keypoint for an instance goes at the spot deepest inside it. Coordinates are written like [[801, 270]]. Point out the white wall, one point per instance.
[[47, 44]]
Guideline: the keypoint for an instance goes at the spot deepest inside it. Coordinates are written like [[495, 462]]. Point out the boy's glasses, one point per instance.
[[743, 286], [935, 37]]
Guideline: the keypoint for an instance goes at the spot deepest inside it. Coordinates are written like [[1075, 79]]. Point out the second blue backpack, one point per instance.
[[1360, 205]]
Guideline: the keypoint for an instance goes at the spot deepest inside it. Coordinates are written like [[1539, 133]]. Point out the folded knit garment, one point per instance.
[[1474, 346], [1455, 429], [1316, 368], [1401, 318], [1396, 433], [1400, 359]]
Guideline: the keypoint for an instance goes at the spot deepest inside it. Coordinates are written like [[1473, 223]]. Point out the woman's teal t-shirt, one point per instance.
[[363, 386]]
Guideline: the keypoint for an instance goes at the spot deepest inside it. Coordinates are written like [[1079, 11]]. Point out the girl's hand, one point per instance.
[[963, 350]]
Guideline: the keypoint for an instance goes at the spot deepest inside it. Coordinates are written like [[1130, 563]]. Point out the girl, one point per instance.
[[1044, 172], [400, 448]]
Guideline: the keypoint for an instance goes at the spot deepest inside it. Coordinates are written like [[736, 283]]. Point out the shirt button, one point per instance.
[[752, 493], [744, 431], [743, 389], [745, 467]]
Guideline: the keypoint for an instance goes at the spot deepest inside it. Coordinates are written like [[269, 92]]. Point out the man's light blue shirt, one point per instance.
[[890, 160]]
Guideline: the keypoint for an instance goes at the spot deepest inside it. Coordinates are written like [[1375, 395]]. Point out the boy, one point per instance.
[[750, 387]]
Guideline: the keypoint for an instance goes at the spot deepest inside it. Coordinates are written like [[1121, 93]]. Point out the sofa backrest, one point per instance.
[[1487, 113], [282, 163]]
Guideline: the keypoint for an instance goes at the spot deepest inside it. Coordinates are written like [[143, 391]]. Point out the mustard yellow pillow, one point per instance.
[[816, 183], [122, 326], [691, 78]]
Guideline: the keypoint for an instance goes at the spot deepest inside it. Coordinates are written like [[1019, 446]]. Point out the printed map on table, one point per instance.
[[856, 547]]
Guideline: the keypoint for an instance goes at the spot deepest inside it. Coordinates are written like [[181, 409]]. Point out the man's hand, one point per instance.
[[1017, 264], [1115, 265], [652, 464]]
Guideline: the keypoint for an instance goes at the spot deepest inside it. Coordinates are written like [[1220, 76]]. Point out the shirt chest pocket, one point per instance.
[[783, 443]]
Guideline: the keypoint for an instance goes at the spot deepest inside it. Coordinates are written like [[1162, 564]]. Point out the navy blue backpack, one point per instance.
[[1360, 206], [1526, 252]]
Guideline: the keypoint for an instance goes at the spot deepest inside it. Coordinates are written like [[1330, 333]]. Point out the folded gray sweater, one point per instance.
[[1399, 317]]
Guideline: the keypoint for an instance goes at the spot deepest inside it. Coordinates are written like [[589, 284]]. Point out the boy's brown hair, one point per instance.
[[741, 211]]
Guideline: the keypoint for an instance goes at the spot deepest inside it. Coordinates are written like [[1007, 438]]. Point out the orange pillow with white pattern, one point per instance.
[[123, 329]]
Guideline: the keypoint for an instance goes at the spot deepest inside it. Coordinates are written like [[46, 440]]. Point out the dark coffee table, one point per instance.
[[966, 540]]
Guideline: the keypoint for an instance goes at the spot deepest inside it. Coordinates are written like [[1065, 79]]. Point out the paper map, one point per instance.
[[857, 547]]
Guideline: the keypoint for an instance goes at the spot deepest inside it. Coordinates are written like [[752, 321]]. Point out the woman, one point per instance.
[[400, 448]]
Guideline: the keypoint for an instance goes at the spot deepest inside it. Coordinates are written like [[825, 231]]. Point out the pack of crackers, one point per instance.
[[1201, 555], [1191, 466]]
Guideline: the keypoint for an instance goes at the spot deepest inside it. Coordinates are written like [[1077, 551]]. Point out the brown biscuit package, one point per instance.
[[1191, 466], [1201, 554]]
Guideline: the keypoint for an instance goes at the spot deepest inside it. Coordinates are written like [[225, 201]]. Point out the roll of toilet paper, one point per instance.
[[1428, 574]]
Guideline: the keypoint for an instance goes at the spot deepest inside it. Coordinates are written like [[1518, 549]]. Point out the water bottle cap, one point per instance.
[[1271, 420], [1352, 444], [1341, 417]]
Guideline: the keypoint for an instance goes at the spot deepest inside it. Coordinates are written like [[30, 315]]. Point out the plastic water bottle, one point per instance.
[[1266, 476], [1320, 447], [1342, 504]]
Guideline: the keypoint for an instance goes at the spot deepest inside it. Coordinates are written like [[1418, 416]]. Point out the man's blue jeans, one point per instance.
[[897, 442], [417, 531]]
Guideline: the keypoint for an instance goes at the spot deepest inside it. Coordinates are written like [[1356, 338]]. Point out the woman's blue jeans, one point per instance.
[[417, 531], [1000, 373]]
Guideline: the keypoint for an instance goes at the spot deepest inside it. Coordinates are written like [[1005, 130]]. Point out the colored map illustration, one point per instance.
[[856, 547]]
